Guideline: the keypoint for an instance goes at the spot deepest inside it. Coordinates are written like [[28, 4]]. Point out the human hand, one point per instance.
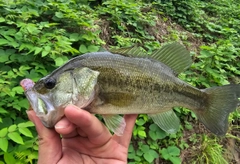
[[84, 140]]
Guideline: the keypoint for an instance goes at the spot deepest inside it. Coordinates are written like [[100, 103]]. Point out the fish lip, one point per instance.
[[42, 104], [46, 112], [48, 116], [34, 99], [27, 84]]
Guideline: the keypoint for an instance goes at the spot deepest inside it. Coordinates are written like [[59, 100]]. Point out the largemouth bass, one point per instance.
[[127, 81]]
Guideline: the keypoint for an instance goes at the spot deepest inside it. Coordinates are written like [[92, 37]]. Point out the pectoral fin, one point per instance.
[[167, 121], [115, 123]]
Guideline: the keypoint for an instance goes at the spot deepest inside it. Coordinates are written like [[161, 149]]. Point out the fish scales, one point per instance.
[[145, 80], [130, 82]]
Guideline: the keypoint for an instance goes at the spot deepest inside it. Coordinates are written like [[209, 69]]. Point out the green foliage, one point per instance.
[[172, 154], [210, 152], [35, 37], [144, 153], [38, 36]]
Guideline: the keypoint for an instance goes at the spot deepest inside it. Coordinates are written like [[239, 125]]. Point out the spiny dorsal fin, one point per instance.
[[130, 52], [174, 56]]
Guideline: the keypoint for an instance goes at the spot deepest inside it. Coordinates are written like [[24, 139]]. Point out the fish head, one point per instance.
[[51, 94]]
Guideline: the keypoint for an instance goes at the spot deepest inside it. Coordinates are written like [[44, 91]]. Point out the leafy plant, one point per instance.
[[172, 154], [210, 152], [38, 36]]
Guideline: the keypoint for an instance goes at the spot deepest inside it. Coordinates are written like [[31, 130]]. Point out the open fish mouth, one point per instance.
[[40, 103], [37, 101]]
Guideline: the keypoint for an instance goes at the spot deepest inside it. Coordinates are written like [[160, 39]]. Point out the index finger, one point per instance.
[[96, 132]]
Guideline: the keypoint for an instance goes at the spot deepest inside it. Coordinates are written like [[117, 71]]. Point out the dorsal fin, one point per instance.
[[130, 52], [174, 56]]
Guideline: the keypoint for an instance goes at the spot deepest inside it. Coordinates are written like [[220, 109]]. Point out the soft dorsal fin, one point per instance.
[[174, 55], [130, 52]]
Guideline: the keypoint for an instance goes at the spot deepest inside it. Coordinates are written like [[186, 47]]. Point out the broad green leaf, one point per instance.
[[10, 39], [161, 134], [24, 103], [83, 49], [145, 148], [59, 14], [59, 61], [205, 54], [156, 133], [142, 134], [139, 152], [24, 67], [150, 155], [9, 159], [88, 37], [74, 36], [15, 136], [2, 19], [4, 144], [26, 132], [3, 132], [93, 48], [165, 153], [3, 110], [32, 29], [12, 128], [131, 148], [175, 160], [47, 48], [25, 124], [173, 150], [4, 57], [153, 127], [140, 122], [37, 50], [7, 121], [18, 90], [11, 31], [44, 53], [3, 41], [18, 35], [153, 135]]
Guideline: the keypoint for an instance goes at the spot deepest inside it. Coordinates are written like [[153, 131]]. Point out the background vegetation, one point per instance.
[[38, 36]]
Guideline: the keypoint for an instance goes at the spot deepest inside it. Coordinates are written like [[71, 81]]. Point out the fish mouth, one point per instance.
[[41, 104], [44, 109]]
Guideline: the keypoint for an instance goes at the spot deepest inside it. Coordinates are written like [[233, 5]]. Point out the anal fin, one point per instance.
[[167, 121], [115, 123]]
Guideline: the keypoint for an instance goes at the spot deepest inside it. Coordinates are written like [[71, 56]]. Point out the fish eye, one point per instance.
[[50, 83]]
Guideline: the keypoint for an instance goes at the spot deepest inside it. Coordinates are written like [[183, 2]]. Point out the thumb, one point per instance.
[[50, 148]]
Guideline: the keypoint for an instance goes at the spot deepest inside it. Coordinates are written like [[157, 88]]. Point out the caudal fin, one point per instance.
[[221, 101]]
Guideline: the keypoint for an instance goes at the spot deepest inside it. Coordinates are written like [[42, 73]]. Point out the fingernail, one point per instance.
[[62, 124]]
